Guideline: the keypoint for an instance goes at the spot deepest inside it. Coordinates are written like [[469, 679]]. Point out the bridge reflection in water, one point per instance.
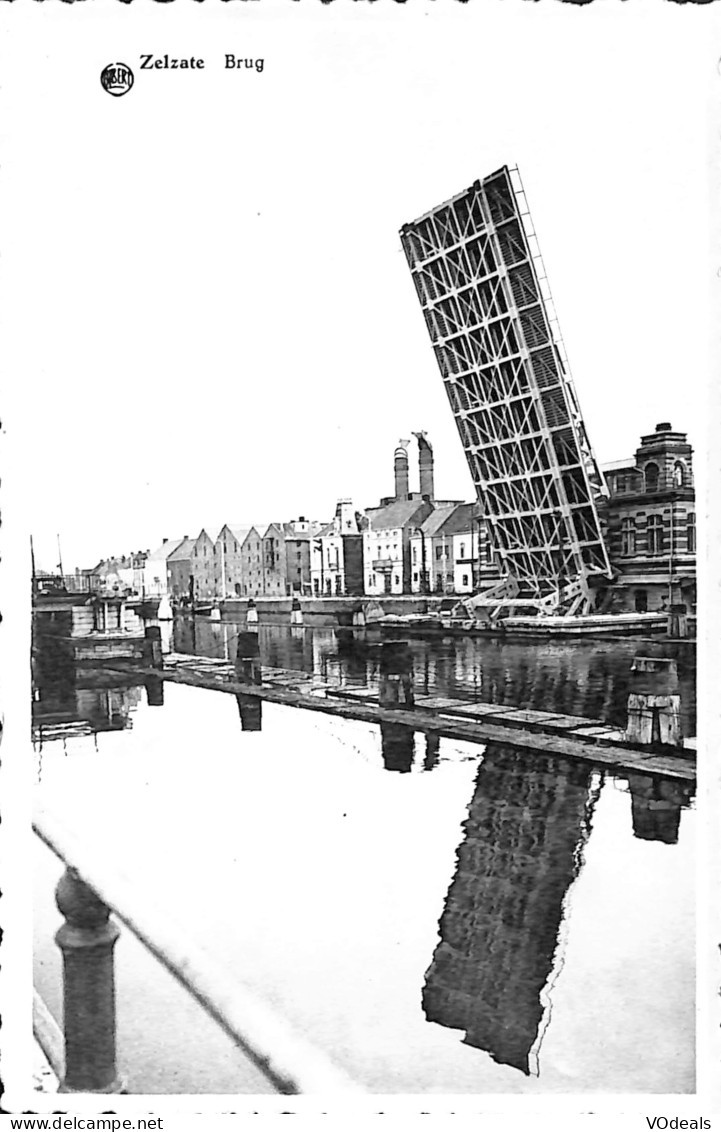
[[522, 848]]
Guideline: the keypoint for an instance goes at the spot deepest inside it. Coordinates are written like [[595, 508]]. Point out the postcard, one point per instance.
[[359, 561]]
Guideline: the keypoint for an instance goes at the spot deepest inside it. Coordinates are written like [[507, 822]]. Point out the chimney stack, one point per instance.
[[425, 465], [400, 469]]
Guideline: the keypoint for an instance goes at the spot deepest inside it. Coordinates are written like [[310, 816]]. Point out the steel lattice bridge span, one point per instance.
[[481, 282]]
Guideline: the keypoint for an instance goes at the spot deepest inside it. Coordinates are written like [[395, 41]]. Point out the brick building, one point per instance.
[[238, 562], [275, 581], [298, 535], [650, 524], [178, 566], [202, 567]]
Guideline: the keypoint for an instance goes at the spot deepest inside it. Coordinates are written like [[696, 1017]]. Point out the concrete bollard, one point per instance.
[[153, 647], [296, 613], [87, 939], [251, 617], [654, 703], [396, 675]]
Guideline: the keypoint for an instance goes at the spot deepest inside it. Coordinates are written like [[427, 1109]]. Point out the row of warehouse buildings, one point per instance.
[[414, 543]]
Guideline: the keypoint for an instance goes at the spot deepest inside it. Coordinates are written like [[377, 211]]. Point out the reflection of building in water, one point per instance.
[[656, 805], [61, 709], [527, 823]]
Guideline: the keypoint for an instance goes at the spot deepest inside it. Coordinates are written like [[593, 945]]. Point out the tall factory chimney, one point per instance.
[[400, 468], [425, 465]]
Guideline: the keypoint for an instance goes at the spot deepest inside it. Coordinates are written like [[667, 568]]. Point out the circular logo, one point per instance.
[[117, 79]]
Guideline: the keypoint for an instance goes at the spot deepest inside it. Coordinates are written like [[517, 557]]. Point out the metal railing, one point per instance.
[[83, 1058]]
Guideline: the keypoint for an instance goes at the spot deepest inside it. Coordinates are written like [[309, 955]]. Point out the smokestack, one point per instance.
[[400, 468], [425, 465]]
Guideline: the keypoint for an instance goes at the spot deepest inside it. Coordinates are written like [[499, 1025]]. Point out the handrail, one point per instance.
[[284, 1057]]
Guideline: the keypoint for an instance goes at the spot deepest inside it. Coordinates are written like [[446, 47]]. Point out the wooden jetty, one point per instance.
[[534, 731]]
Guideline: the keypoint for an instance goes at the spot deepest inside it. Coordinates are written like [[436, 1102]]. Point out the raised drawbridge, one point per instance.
[[485, 296]]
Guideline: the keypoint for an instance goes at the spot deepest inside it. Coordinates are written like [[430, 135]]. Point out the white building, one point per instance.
[[386, 545], [327, 552], [155, 570]]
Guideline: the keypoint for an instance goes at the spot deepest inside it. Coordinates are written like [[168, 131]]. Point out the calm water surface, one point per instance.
[[436, 915]]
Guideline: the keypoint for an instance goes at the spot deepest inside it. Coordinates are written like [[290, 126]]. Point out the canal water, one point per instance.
[[437, 916]]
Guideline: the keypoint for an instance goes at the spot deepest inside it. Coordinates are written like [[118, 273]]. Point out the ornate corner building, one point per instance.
[[650, 521]]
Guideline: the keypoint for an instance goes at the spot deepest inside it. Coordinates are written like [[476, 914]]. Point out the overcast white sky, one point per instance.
[[207, 307]]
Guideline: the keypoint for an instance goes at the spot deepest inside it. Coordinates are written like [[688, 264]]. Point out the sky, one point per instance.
[[208, 313]]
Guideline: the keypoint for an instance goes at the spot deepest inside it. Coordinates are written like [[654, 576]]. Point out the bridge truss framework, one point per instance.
[[478, 271]]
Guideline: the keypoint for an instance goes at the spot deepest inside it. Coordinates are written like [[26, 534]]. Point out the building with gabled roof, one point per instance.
[[179, 569], [154, 573], [386, 554], [273, 554], [238, 561]]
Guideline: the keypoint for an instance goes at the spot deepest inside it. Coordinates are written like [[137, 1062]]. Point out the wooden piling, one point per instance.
[[87, 939], [396, 675], [654, 703], [153, 647]]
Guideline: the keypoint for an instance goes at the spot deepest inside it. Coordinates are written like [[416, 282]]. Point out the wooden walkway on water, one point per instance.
[[535, 731]]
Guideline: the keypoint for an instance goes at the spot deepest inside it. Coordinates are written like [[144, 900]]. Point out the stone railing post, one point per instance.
[[86, 940]]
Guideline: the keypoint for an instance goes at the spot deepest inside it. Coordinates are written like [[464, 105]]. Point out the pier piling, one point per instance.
[[654, 703], [248, 669], [153, 647]]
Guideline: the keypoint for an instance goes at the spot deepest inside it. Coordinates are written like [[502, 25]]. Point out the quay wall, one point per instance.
[[327, 610]]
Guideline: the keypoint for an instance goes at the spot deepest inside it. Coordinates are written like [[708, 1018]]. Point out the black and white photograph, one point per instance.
[[358, 559]]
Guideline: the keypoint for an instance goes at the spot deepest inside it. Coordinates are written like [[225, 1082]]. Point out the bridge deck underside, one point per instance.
[[488, 311]]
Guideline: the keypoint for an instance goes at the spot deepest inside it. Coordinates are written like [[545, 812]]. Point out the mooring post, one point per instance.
[[396, 675], [247, 659], [654, 703], [153, 647], [86, 940]]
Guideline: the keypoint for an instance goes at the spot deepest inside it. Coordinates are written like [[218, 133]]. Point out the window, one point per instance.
[[651, 477], [463, 550], [439, 553], [641, 601], [691, 531], [654, 534], [628, 536], [679, 474], [415, 577], [465, 579], [415, 555]]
